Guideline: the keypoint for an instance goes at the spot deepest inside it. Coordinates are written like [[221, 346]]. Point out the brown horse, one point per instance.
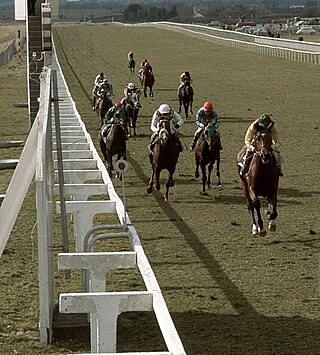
[[186, 98], [164, 156], [147, 81], [207, 152], [103, 106], [113, 141], [261, 180]]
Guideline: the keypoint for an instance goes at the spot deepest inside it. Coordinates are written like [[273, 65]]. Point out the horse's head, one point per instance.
[[164, 130], [263, 144], [211, 136]]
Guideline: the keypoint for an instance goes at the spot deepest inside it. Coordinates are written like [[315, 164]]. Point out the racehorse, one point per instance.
[[207, 152], [262, 179], [147, 81], [131, 65], [164, 156], [132, 106], [104, 104], [113, 141], [186, 98]]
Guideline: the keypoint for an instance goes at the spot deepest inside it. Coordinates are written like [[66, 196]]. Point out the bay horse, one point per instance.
[[262, 179], [147, 80], [164, 157], [207, 153], [103, 106], [113, 142], [132, 106], [186, 98]]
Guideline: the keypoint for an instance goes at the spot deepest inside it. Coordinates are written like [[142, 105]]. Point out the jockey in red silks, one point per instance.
[[145, 68]]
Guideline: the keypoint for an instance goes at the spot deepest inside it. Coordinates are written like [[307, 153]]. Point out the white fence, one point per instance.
[[289, 49], [82, 163]]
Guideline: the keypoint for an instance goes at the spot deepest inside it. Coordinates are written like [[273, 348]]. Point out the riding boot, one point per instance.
[[244, 164], [152, 142], [194, 141], [179, 144]]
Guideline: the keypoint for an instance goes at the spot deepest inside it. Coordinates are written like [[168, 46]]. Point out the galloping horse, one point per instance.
[[147, 81], [207, 152], [186, 98], [164, 156], [104, 104], [261, 180], [112, 142], [132, 106]]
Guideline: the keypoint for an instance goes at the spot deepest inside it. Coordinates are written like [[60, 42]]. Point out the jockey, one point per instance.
[[145, 67], [130, 89], [185, 78], [97, 82], [165, 111], [263, 122], [115, 111], [105, 87], [206, 116], [130, 56]]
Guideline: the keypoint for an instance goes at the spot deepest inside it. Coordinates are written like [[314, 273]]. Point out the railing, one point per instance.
[[77, 151], [289, 49]]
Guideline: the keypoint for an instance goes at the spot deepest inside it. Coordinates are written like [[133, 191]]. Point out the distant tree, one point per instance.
[[133, 12]]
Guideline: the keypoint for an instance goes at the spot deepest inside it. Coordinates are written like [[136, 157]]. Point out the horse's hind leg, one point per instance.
[[151, 92], [219, 184], [191, 108]]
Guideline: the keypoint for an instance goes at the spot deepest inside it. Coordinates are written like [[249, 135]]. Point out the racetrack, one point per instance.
[[228, 292]]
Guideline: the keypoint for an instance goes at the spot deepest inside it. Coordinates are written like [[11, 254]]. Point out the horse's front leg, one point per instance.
[[191, 108], [196, 173], [157, 178], [150, 187], [204, 178], [145, 92], [151, 92], [210, 167], [272, 213], [257, 206], [169, 183], [180, 104]]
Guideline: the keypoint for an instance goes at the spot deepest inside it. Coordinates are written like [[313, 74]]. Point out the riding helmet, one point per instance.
[[131, 86], [118, 104], [164, 108], [264, 120], [208, 106]]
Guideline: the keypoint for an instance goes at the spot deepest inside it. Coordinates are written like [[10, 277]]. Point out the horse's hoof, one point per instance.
[[262, 232], [149, 190], [196, 175], [254, 230], [203, 193], [220, 187], [272, 225], [157, 187]]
